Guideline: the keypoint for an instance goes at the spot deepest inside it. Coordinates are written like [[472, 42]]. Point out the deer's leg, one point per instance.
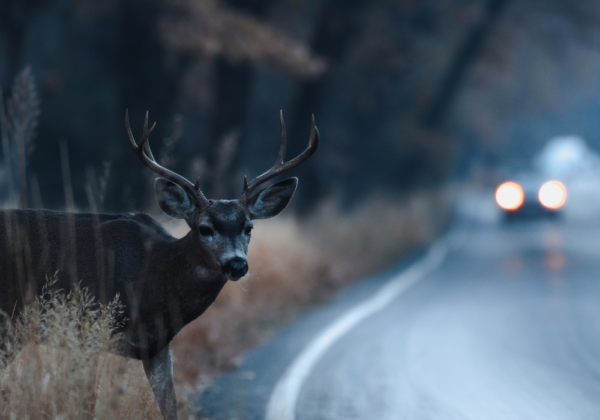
[[159, 371]]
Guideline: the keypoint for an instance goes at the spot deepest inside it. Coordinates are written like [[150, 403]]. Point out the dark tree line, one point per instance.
[[388, 82]]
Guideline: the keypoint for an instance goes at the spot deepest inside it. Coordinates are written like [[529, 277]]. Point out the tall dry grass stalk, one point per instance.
[[54, 362], [18, 122]]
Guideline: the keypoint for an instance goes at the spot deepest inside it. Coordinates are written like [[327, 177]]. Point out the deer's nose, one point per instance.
[[236, 268]]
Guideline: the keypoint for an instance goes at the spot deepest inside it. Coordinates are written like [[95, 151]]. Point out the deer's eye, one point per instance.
[[248, 230], [206, 231]]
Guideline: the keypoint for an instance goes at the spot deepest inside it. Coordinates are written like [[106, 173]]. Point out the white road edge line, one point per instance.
[[282, 403]]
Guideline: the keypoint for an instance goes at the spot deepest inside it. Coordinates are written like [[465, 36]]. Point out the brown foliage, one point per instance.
[[207, 28]]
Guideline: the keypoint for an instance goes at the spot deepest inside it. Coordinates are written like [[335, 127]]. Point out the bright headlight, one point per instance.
[[552, 195], [510, 196]]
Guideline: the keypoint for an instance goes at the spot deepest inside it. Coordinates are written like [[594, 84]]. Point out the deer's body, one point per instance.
[[164, 283]]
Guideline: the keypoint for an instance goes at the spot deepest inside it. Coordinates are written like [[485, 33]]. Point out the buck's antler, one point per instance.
[[143, 151], [280, 166]]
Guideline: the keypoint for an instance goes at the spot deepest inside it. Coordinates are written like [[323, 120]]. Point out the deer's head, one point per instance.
[[222, 228]]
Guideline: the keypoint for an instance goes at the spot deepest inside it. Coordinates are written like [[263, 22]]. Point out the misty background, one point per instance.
[[407, 94]]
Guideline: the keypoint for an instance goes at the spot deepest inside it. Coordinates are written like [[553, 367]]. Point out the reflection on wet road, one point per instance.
[[507, 328]]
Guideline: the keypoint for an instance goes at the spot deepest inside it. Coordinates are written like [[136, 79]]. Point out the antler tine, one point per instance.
[[147, 149], [132, 142], [144, 153], [143, 145], [282, 141], [280, 166]]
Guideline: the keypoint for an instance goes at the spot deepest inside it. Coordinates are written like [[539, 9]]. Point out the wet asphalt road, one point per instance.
[[506, 327]]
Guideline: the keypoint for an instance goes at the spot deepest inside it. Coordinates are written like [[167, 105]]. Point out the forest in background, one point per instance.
[[407, 94]]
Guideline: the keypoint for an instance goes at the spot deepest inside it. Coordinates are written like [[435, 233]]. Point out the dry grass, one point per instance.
[[294, 265], [54, 361]]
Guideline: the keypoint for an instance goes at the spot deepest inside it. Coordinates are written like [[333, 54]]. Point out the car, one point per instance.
[[531, 195]]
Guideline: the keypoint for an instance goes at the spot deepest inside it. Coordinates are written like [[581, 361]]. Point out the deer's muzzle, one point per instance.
[[236, 268]]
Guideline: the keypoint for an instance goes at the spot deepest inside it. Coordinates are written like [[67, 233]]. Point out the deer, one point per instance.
[[163, 282]]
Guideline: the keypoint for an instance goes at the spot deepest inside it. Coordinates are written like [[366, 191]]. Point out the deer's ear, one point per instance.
[[271, 201], [173, 200]]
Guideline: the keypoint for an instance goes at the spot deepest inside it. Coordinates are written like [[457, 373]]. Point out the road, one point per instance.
[[506, 325]]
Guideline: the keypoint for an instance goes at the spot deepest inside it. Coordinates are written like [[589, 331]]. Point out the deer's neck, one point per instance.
[[196, 286]]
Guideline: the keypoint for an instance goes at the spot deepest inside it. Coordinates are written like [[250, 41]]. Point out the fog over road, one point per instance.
[[507, 326]]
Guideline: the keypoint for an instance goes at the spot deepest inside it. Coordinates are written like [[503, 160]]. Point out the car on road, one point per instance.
[[531, 195], [538, 189]]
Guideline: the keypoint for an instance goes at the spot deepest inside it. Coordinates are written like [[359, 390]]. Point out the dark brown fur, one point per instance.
[[131, 255]]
